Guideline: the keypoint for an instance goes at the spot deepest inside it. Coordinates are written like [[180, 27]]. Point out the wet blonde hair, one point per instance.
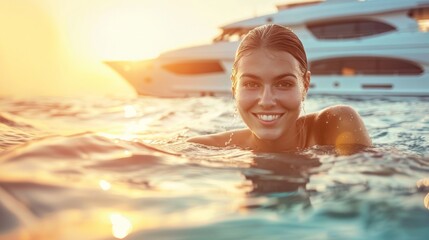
[[273, 37]]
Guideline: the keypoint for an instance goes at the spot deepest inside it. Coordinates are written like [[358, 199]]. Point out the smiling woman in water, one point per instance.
[[270, 80]]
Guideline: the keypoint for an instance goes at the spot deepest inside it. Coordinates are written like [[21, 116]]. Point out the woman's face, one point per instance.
[[269, 92]]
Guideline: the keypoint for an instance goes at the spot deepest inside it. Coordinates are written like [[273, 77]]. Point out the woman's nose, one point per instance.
[[266, 98]]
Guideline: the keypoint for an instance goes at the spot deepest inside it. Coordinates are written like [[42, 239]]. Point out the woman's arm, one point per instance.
[[214, 140], [205, 140], [233, 138]]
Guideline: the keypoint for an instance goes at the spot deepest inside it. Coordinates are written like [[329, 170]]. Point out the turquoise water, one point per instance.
[[106, 168]]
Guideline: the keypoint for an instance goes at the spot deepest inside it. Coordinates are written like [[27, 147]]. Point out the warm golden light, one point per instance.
[[58, 48], [426, 201], [121, 226], [424, 25], [136, 29], [119, 31], [104, 185], [130, 111], [422, 183]]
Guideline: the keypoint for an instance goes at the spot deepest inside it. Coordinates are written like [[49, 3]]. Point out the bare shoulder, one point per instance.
[[340, 125]]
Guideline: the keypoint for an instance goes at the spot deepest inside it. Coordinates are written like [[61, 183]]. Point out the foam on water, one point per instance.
[[102, 168]]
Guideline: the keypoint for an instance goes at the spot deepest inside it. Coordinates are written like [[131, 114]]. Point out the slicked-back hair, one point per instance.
[[272, 37]]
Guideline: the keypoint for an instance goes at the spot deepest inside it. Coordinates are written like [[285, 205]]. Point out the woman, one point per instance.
[[270, 80]]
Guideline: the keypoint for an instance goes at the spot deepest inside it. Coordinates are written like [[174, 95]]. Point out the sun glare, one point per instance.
[[136, 29], [118, 33], [129, 31]]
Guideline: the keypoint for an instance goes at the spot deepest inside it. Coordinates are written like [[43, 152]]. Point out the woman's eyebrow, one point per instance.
[[249, 75], [283, 75]]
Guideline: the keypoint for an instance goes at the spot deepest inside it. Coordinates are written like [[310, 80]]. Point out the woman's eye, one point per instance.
[[283, 84], [250, 84]]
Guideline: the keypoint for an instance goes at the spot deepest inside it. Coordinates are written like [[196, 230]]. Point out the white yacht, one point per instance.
[[354, 47]]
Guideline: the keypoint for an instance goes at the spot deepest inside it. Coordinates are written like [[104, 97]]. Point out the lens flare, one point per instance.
[[104, 185], [121, 226]]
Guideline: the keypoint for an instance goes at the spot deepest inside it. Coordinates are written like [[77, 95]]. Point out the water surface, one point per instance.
[[103, 168]]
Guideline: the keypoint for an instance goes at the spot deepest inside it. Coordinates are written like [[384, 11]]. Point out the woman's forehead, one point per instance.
[[266, 59]]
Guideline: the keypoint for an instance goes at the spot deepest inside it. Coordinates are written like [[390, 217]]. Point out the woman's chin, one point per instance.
[[267, 136]]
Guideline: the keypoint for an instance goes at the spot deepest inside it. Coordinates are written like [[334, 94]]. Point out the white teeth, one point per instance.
[[268, 118]]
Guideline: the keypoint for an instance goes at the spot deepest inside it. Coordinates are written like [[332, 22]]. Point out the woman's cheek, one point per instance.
[[291, 100], [245, 99]]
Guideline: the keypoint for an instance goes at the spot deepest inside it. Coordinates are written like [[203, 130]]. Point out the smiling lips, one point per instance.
[[268, 117]]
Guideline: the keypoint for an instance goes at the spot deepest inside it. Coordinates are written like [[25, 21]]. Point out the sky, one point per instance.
[[57, 47]]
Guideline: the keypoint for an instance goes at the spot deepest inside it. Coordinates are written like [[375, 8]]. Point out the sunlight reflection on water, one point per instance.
[[105, 185], [121, 226], [130, 111]]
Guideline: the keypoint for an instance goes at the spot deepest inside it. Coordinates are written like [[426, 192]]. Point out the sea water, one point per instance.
[[112, 168]]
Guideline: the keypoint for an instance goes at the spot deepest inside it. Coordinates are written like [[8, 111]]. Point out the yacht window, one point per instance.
[[194, 67], [349, 66], [348, 29], [359, 66], [326, 67], [401, 67]]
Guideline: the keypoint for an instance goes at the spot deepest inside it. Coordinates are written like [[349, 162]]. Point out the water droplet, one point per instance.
[[230, 139], [326, 122], [340, 119]]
